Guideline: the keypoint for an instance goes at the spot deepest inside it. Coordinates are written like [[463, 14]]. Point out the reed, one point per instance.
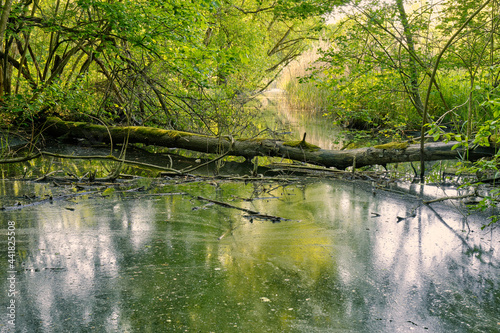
[[374, 102], [305, 95]]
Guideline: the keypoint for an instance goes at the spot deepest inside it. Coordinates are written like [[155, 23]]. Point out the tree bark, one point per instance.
[[4, 17], [249, 148], [414, 74]]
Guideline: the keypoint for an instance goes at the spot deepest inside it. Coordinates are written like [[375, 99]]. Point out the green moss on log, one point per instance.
[[302, 144], [393, 146], [156, 132], [139, 130], [253, 139]]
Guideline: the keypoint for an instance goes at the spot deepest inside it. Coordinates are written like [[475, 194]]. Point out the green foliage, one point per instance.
[[290, 9], [188, 65], [371, 78], [485, 169], [366, 76], [368, 100], [17, 110]]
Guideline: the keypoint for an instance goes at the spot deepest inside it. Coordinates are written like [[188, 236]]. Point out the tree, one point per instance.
[[473, 52], [379, 51], [178, 64]]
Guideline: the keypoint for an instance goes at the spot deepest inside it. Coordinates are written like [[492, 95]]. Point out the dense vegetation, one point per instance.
[[377, 60], [394, 66], [383, 66], [397, 66], [178, 64], [194, 64]]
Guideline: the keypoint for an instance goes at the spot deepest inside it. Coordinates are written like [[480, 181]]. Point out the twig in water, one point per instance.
[[252, 213], [449, 198]]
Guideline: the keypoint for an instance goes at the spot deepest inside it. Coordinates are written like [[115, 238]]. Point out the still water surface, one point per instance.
[[163, 261], [280, 117]]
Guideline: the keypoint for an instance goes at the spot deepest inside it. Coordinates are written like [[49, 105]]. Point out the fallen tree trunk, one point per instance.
[[249, 148]]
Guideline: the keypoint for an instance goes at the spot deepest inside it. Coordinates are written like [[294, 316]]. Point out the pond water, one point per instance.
[[281, 118], [153, 255], [348, 258]]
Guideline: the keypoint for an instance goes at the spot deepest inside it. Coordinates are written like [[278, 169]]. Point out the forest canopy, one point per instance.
[[186, 65]]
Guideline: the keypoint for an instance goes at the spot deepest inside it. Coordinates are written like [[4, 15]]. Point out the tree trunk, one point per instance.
[[249, 148], [4, 17], [414, 74]]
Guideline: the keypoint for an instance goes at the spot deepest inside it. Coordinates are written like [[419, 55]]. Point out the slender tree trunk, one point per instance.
[[469, 110], [6, 8], [433, 76], [414, 72]]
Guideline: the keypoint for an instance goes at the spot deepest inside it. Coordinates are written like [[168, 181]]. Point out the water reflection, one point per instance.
[[344, 262], [282, 118]]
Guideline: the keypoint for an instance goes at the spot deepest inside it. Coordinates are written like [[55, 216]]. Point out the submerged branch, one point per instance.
[[252, 213], [457, 197], [20, 159], [49, 199], [87, 157]]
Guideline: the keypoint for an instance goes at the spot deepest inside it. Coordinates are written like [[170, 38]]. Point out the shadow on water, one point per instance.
[[162, 261]]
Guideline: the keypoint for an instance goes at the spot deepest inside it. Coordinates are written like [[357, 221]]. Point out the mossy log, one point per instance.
[[249, 148]]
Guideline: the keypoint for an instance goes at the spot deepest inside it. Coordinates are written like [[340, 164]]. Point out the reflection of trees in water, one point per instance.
[[153, 263], [430, 260], [467, 294], [67, 261]]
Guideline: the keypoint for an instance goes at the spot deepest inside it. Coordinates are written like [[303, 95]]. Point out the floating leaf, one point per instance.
[[108, 191]]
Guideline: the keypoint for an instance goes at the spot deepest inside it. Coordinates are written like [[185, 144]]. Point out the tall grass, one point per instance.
[[372, 102], [303, 94]]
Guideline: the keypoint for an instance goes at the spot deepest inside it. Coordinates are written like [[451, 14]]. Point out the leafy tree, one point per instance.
[[473, 54], [179, 64], [378, 51]]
